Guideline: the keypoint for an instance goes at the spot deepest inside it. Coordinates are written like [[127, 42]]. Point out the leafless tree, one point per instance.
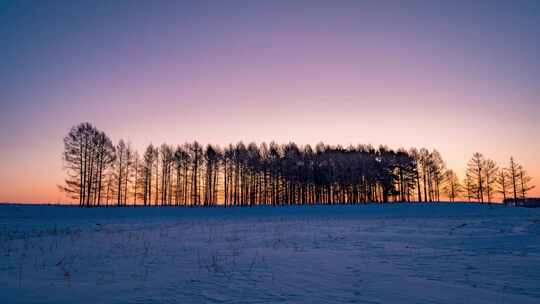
[[469, 187], [147, 169], [452, 186], [475, 170], [88, 154], [490, 178], [524, 182], [503, 182], [513, 171]]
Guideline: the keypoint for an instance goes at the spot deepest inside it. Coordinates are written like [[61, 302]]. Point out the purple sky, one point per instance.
[[457, 76]]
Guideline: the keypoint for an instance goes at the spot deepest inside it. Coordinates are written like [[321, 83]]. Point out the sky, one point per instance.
[[456, 76]]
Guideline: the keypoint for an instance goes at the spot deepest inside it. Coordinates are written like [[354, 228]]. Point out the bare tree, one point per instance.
[[524, 182], [156, 174], [136, 176], [475, 170], [490, 178], [469, 187], [452, 186], [121, 169], [211, 158], [166, 167], [416, 157], [181, 163], [147, 174], [513, 171], [197, 160], [88, 153], [503, 182], [424, 165], [106, 157]]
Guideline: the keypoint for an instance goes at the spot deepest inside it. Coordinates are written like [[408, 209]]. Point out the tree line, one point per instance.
[[484, 179], [100, 173]]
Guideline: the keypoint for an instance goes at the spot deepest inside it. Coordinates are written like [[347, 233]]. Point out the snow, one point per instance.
[[394, 253]]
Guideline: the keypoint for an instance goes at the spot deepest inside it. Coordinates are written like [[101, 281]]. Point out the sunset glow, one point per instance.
[[458, 77]]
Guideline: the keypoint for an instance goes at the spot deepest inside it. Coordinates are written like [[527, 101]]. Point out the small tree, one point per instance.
[[469, 187], [513, 171], [503, 182], [490, 178], [524, 182], [475, 170], [452, 186]]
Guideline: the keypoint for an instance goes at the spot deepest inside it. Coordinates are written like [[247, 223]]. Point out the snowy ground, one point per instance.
[[327, 254]]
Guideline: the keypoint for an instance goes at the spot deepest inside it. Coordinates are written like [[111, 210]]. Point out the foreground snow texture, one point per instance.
[[400, 253]]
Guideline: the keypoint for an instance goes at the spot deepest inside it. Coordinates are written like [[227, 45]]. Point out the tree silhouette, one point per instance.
[[503, 182], [513, 171], [490, 178], [524, 181], [452, 187], [271, 174], [475, 170], [88, 154], [469, 187], [147, 169]]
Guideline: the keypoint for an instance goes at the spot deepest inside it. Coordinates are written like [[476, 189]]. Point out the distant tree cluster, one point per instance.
[[88, 157], [102, 174], [484, 179]]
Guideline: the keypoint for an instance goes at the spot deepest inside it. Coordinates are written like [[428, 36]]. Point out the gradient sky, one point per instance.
[[458, 76]]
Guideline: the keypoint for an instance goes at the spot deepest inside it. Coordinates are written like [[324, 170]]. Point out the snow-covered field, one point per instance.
[[403, 253]]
